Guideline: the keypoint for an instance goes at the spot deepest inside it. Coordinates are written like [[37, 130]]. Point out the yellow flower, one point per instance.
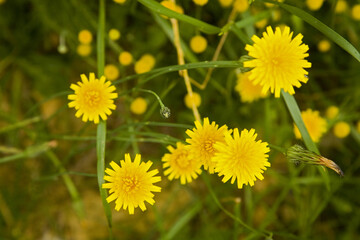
[[138, 106], [341, 6], [332, 112], [125, 58], [84, 50], [341, 129], [145, 64], [324, 45], [196, 98], [247, 90], [85, 36], [355, 12], [131, 184], [315, 125], [271, 4], [2, 1], [278, 61], [202, 140], [180, 165], [358, 126], [241, 5], [200, 2], [120, 1], [198, 44], [225, 3], [241, 157], [261, 24], [172, 6], [93, 98], [114, 34], [314, 4], [111, 72]]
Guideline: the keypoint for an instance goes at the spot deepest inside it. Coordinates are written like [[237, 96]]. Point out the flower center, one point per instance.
[[209, 146], [182, 161], [92, 98], [131, 183]]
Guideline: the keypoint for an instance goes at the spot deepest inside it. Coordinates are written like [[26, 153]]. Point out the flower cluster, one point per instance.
[[219, 150]]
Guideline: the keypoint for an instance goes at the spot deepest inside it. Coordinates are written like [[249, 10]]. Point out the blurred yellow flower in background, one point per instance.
[[341, 6], [125, 58], [241, 5], [84, 50], [241, 157], [92, 98], [114, 34], [145, 64], [247, 90], [278, 61], [138, 106], [198, 44], [178, 164], [85, 36], [202, 140], [324, 45], [358, 126], [111, 72], [355, 12], [131, 184], [332, 112], [225, 3], [196, 98], [120, 1], [314, 4], [200, 2], [172, 6], [341, 129], [314, 123]]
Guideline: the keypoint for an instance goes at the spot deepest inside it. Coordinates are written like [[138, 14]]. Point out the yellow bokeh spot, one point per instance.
[[2, 1], [114, 34], [261, 24], [341, 129], [269, 5], [196, 98], [120, 1], [200, 2], [172, 6], [276, 15], [225, 3], [85, 36], [341, 6], [332, 112], [324, 45], [138, 106], [125, 58], [198, 44], [241, 5], [145, 64], [314, 4], [355, 12], [111, 72], [84, 50], [358, 126]]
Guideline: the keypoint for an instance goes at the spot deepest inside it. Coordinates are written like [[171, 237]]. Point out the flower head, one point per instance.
[[84, 50], [241, 157], [315, 125], [93, 98], [332, 112], [125, 58], [111, 72], [196, 98], [114, 34], [179, 164], [145, 63], [200, 2], [120, 1], [355, 12], [314, 4], [130, 184], [278, 61], [341, 6], [138, 106], [198, 44], [85, 36], [172, 6], [341, 129], [324, 45], [241, 5], [247, 90], [202, 140], [225, 3]]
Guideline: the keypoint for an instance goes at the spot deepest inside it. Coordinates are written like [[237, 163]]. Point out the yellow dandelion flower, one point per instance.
[[93, 98], [145, 64], [358, 126], [114, 34], [198, 44], [120, 1], [332, 112], [84, 50], [241, 157], [278, 61], [138, 106], [85, 36], [111, 72], [241, 5], [179, 164], [200, 2], [355, 12], [324, 45], [196, 98], [172, 6], [247, 90], [314, 5], [225, 3], [315, 125], [202, 140], [125, 58], [341, 6], [341, 129], [131, 184]]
